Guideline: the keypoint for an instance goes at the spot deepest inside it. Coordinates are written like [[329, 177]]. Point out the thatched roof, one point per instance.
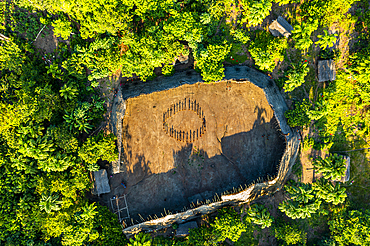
[[345, 178], [280, 27], [326, 70], [101, 184]]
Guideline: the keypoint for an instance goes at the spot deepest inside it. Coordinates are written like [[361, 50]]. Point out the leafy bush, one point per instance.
[[295, 75], [168, 70], [202, 236], [332, 167], [62, 29], [350, 227], [10, 56], [23, 22], [302, 34], [266, 49], [290, 234], [257, 11], [96, 148], [141, 239], [210, 61], [228, 224], [298, 115], [240, 35]]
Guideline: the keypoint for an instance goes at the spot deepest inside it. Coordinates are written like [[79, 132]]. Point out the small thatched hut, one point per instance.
[[280, 27], [326, 70], [101, 184]]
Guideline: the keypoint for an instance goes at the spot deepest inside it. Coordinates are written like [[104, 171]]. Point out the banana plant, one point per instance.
[[36, 148], [50, 203], [68, 92], [55, 71], [260, 216], [302, 34], [303, 202], [326, 40], [320, 110], [295, 210], [78, 118], [330, 193], [332, 167], [57, 162], [301, 193], [89, 212]]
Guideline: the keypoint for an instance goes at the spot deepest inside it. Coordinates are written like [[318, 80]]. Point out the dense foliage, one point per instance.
[[43, 177], [50, 106]]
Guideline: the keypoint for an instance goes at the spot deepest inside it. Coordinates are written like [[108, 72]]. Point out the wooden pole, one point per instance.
[[3, 37]]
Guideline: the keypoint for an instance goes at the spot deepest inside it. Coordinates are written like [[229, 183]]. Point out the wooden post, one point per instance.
[[3, 37]]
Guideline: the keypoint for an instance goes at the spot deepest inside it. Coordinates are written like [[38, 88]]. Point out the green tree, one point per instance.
[[332, 167], [228, 224], [62, 29], [298, 116], [110, 231], [210, 61], [351, 227], [266, 49], [290, 234], [98, 147], [50, 203], [256, 11], [202, 236], [295, 75]]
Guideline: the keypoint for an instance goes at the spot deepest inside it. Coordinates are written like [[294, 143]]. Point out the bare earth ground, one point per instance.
[[240, 145]]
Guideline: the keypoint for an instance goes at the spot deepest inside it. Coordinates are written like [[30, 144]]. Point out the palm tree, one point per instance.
[[302, 203], [330, 193], [296, 210], [301, 193], [50, 203], [260, 216], [332, 167]]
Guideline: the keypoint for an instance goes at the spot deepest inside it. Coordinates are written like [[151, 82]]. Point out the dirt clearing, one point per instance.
[[239, 144]]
